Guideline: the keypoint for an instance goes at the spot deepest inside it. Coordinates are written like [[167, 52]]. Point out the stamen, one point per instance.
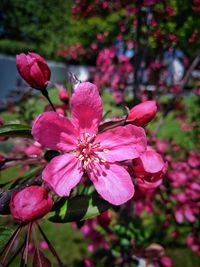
[[96, 160], [102, 159], [106, 150], [81, 157]]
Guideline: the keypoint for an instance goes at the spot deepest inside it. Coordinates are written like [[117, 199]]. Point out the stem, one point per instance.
[[36, 244], [11, 243], [53, 251], [46, 94], [16, 253], [25, 254], [8, 242]]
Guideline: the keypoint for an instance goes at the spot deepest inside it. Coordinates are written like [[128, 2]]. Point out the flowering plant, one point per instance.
[[112, 153]]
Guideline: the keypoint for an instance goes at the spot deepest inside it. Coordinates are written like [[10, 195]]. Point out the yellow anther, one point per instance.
[[106, 150], [103, 160], [81, 157]]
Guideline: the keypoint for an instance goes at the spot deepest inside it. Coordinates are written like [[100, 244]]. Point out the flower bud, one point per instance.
[[142, 113], [63, 95], [149, 166], [34, 70], [104, 219], [30, 203]]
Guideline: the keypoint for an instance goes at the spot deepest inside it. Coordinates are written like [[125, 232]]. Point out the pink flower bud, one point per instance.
[[63, 95], [166, 261], [44, 245], [33, 69], [104, 219], [30, 203], [149, 166], [88, 263], [142, 113]]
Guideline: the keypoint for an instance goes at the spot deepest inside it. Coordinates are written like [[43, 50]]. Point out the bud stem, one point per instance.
[[16, 253], [45, 94], [61, 264], [11, 244]]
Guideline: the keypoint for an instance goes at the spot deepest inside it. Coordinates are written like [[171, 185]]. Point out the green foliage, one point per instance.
[[31, 25], [78, 208], [15, 130], [5, 233], [47, 26]]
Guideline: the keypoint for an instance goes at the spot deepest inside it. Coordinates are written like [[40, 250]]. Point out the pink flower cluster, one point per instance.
[[72, 52], [113, 72], [100, 156]]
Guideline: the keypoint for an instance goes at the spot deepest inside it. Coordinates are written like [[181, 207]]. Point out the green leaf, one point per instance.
[[5, 233], [15, 130], [78, 208]]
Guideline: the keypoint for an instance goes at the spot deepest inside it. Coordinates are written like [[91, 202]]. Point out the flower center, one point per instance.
[[87, 149]]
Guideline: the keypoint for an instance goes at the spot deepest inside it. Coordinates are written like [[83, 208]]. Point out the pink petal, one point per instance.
[[152, 161], [23, 66], [189, 215], [54, 131], [112, 182], [63, 173], [179, 216], [122, 143], [37, 75], [86, 108]]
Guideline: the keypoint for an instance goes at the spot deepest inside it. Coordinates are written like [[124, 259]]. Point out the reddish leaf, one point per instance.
[[111, 123], [39, 260]]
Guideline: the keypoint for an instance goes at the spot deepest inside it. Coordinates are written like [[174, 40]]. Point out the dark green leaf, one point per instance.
[[15, 130], [50, 154], [78, 208], [5, 233], [28, 175]]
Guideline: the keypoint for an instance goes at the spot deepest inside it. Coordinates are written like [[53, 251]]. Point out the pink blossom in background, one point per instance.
[[34, 150], [62, 93], [85, 150], [166, 262], [88, 263], [44, 245]]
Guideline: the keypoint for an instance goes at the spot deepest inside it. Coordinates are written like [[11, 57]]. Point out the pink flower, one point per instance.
[[166, 261], [34, 150], [63, 95], [88, 263], [33, 69], [149, 166], [44, 245], [30, 204], [142, 113], [85, 151]]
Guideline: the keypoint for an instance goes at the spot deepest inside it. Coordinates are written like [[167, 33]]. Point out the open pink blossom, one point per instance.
[[86, 151], [149, 166]]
